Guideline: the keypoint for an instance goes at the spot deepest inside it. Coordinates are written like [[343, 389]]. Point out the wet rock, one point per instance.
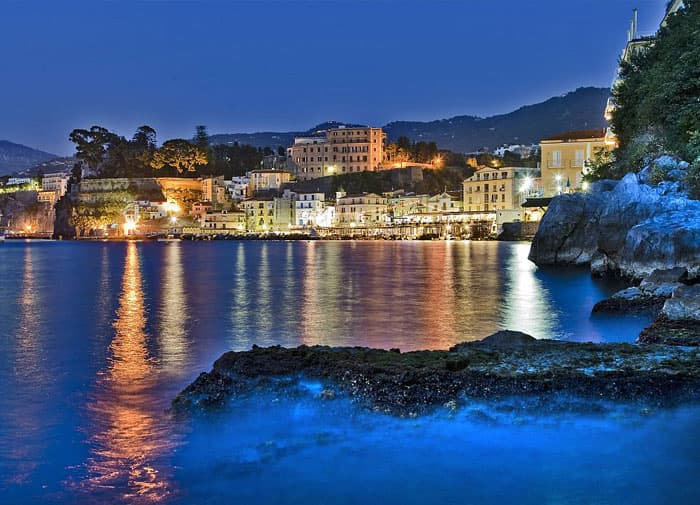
[[664, 282], [630, 300], [506, 339], [681, 332], [684, 304], [503, 365]]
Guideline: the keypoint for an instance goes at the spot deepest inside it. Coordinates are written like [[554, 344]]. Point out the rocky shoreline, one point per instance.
[[503, 365]]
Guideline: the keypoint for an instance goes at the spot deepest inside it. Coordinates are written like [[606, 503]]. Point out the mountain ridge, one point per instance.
[[18, 157], [579, 109]]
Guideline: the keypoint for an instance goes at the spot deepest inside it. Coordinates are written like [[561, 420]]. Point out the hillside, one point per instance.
[[16, 157], [580, 109]]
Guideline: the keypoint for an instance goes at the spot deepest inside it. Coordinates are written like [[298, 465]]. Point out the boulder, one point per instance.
[[684, 304], [663, 282], [623, 227], [632, 299]]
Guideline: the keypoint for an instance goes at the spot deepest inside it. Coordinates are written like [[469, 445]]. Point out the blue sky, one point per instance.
[[282, 65]]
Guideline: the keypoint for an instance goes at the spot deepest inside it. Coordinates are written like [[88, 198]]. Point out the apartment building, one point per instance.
[[224, 222], [495, 189], [361, 210], [341, 151], [564, 158], [259, 213], [268, 180]]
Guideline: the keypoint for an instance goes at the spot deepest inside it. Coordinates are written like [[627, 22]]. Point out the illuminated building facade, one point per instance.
[[495, 189], [565, 157], [342, 150]]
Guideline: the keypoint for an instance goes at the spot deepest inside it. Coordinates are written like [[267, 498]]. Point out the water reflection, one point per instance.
[[173, 312], [527, 307], [26, 423], [130, 435]]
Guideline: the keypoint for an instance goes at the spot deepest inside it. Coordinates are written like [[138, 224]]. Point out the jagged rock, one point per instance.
[[624, 228], [681, 332], [504, 365], [504, 339], [684, 304], [663, 282], [631, 299]]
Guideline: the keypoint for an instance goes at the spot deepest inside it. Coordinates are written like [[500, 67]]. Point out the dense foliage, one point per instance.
[[107, 154], [658, 97]]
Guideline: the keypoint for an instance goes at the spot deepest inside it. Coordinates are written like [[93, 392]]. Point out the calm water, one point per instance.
[[96, 339]]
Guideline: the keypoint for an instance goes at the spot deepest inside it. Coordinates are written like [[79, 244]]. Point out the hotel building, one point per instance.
[[496, 189], [341, 151]]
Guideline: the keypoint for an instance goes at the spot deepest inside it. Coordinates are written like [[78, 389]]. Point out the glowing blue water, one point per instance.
[[96, 338]]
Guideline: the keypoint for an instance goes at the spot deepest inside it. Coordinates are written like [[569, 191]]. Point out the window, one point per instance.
[[556, 159]]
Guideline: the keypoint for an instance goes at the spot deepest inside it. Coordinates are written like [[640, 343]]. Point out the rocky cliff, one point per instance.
[[629, 227]]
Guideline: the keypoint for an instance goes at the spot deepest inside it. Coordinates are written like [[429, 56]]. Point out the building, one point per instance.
[[18, 181], [214, 190], [238, 188], [500, 189], [57, 182], [268, 180], [366, 209], [403, 205], [223, 222], [259, 213], [309, 208], [444, 202], [200, 208], [342, 150], [564, 159]]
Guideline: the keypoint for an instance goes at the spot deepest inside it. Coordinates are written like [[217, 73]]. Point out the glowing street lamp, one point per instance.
[[526, 185]]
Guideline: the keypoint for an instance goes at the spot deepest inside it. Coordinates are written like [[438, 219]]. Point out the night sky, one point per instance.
[[263, 65]]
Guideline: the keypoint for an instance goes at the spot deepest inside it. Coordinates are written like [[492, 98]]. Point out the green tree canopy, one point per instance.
[[180, 155]]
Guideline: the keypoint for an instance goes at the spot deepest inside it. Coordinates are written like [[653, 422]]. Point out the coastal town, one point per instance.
[[296, 195], [340, 181]]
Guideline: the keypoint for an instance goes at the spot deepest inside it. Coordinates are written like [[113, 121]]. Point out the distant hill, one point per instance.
[[16, 157], [580, 109], [274, 139]]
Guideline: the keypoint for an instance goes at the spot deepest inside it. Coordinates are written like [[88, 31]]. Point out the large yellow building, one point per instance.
[[341, 151], [564, 159], [492, 189]]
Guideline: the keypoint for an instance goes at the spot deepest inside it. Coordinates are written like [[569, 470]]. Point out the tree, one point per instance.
[[658, 109], [180, 155], [281, 151], [91, 145]]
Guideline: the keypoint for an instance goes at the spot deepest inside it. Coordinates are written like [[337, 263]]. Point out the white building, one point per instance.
[[309, 207], [238, 188], [57, 182], [18, 181]]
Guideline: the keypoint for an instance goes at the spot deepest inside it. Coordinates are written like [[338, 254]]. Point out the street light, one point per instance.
[[526, 185]]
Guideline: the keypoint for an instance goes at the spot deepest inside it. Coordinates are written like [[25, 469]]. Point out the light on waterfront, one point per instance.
[[526, 185]]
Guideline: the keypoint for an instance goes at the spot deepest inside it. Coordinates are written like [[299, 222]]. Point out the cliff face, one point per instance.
[[622, 227]]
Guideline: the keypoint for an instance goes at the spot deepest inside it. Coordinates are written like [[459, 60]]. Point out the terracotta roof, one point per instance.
[[596, 133]]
